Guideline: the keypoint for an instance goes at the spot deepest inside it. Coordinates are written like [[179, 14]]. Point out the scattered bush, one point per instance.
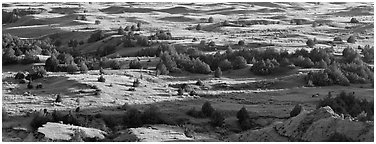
[[120, 31], [180, 91], [218, 73], [239, 62], [136, 83], [195, 113], [20, 75], [338, 39], [347, 103], [30, 85], [52, 63], [354, 20], [39, 86], [217, 119], [72, 68], [151, 115], [193, 93], [198, 27], [207, 109], [351, 39], [199, 83], [96, 36], [101, 79], [162, 69], [296, 110], [83, 68], [225, 65], [36, 73], [310, 43], [135, 64], [337, 137], [367, 52], [210, 20], [58, 98], [265, 67], [241, 43], [39, 120], [115, 64], [132, 118]]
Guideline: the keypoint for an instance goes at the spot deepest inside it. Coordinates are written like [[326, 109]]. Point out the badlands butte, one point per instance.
[[262, 71]]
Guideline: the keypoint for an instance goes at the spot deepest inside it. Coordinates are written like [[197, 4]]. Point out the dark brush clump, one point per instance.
[[347, 103]]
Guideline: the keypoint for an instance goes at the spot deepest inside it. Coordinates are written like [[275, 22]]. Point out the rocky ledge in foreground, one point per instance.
[[63, 132], [319, 125]]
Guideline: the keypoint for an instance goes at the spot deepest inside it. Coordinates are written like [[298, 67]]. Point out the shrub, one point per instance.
[[39, 86], [115, 65], [296, 110], [210, 20], [20, 75], [36, 73], [96, 36], [71, 119], [39, 120], [162, 69], [354, 20], [264, 67], [242, 114], [97, 22], [83, 68], [136, 83], [207, 109], [120, 31], [239, 62], [217, 119], [225, 65], [30, 85], [132, 118], [351, 39], [338, 39], [200, 66], [241, 43], [135, 64], [52, 63], [198, 27], [199, 83], [246, 124], [193, 93], [127, 28], [310, 43], [139, 25], [218, 73], [72, 68], [347, 103], [151, 115], [367, 52], [180, 91], [58, 98], [101, 79], [195, 113], [134, 28], [211, 44]]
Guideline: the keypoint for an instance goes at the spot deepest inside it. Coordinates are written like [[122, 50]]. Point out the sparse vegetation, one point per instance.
[[101, 79]]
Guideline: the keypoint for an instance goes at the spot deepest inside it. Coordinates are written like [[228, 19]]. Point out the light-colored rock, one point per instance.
[[154, 133], [321, 124], [63, 132], [314, 126]]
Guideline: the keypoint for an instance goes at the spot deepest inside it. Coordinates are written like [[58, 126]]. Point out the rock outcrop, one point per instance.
[[319, 125], [63, 132], [155, 133]]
